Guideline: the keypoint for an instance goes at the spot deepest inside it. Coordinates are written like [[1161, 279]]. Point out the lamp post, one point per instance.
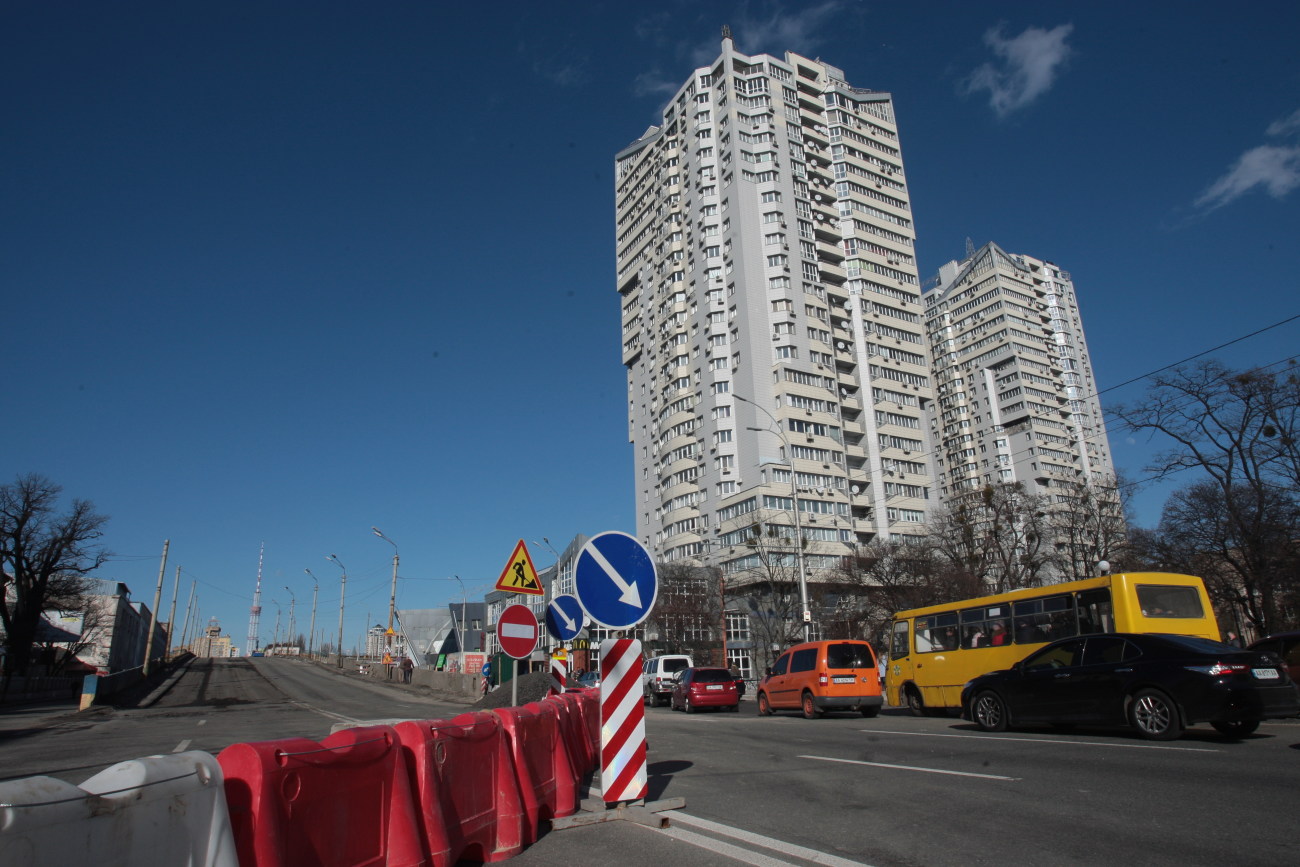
[[311, 634], [343, 590], [392, 596], [794, 500]]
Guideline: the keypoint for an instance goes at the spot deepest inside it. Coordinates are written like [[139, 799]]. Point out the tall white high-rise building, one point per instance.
[[773, 330], [1016, 395]]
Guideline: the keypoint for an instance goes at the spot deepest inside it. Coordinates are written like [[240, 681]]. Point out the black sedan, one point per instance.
[[1158, 684]]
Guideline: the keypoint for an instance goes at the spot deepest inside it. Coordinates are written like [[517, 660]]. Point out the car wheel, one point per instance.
[[687, 706], [810, 710], [1154, 715], [989, 712], [915, 704], [764, 709], [1238, 728], [870, 710]]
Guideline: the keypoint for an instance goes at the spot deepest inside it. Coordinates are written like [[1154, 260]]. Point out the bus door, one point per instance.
[[899, 670]]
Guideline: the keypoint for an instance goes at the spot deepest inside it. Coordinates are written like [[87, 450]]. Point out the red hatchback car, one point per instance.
[[705, 687]]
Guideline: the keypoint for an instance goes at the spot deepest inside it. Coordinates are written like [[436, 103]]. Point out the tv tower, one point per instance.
[[256, 611]]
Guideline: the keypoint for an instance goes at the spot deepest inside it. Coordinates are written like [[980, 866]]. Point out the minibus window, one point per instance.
[[898, 649]]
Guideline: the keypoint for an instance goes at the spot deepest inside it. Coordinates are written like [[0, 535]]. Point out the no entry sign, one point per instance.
[[517, 631]]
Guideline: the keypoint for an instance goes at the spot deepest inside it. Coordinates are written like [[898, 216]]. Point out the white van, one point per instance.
[[658, 674]]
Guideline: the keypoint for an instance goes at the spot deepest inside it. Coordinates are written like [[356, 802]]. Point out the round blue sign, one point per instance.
[[615, 580], [565, 618]]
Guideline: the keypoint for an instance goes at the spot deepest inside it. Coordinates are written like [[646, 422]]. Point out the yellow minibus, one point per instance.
[[935, 650]]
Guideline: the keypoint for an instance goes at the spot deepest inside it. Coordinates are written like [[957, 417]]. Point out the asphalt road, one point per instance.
[[841, 790]]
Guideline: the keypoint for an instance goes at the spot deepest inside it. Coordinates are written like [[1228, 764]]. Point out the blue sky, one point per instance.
[[279, 272]]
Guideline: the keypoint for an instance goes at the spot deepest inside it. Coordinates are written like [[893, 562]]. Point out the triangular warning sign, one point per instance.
[[520, 576]]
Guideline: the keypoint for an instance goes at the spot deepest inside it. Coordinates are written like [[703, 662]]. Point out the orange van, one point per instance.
[[821, 676]]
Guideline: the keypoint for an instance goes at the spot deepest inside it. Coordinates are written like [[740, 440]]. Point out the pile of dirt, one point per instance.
[[532, 687]]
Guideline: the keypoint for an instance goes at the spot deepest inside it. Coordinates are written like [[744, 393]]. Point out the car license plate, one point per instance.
[[714, 686], [1266, 673], [843, 678]]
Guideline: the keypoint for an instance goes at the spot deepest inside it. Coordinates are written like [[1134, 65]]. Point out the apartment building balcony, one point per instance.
[[831, 272]]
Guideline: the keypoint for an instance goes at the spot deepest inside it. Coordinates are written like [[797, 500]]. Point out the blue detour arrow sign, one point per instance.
[[565, 618], [615, 580]]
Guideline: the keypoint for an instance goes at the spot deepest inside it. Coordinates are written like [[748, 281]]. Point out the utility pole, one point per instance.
[[311, 633], [153, 611], [293, 624], [171, 615], [189, 606], [343, 590]]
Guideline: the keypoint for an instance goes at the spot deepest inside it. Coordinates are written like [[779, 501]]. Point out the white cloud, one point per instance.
[[1275, 168], [778, 31], [1029, 64], [654, 84], [1285, 126]]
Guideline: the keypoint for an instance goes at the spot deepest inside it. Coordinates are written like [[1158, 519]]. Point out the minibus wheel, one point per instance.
[[915, 704], [810, 710]]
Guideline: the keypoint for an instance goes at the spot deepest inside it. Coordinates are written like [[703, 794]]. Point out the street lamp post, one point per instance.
[[343, 591], [392, 596], [311, 635], [794, 500]]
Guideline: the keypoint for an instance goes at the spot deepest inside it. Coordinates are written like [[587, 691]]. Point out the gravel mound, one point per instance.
[[532, 687]]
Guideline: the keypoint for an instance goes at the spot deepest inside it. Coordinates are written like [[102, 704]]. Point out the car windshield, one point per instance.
[[712, 675], [849, 655]]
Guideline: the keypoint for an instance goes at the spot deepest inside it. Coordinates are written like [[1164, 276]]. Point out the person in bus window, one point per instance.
[[949, 638], [999, 636], [975, 638]]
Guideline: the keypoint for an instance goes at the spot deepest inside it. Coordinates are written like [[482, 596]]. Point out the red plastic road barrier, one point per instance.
[[547, 782], [623, 772], [465, 785], [343, 801], [578, 716]]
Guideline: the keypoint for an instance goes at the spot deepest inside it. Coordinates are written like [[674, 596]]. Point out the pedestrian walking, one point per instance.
[[408, 666]]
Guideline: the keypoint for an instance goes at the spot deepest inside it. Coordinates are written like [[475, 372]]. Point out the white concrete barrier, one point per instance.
[[156, 810]]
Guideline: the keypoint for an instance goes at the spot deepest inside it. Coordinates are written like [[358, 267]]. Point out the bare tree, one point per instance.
[[686, 613], [44, 558], [1087, 524], [1244, 543], [766, 578], [1240, 429], [893, 576], [999, 536]]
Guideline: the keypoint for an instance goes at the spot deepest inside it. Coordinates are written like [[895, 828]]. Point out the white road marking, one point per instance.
[[325, 713], [182, 746], [744, 856], [911, 768], [1047, 741], [203, 722], [759, 840]]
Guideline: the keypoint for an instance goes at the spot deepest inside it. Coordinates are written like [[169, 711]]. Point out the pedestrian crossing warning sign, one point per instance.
[[520, 576]]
